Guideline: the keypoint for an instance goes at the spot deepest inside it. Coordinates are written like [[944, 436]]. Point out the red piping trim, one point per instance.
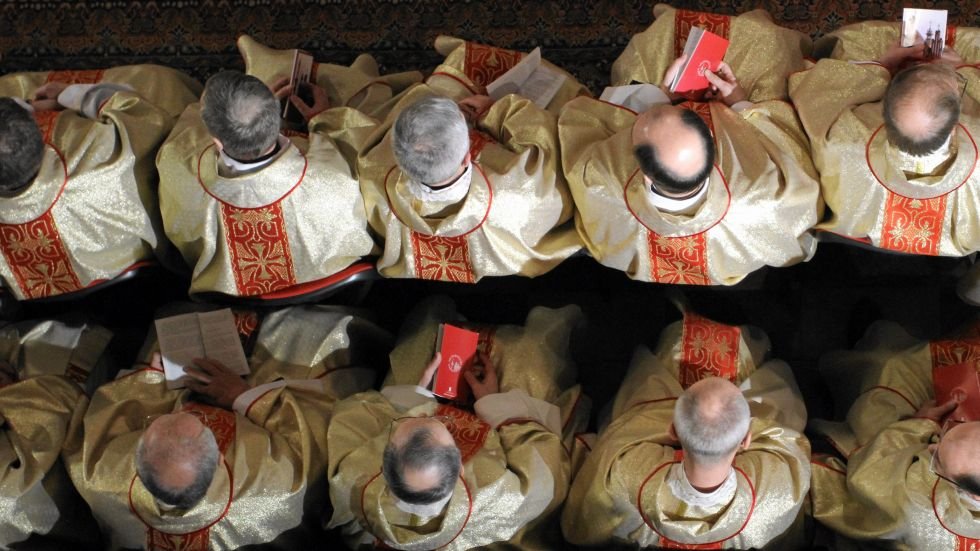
[[231, 492], [469, 499], [486, 215], [867, 159], [306, 164], [724, 213]]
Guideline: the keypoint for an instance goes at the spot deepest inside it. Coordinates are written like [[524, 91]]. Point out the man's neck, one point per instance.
[[706, 479]]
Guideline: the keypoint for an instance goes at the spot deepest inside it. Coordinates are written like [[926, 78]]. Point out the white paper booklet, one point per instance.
[[635, 97], [927, 24], [199, 335], [530, 79], [302, 72]]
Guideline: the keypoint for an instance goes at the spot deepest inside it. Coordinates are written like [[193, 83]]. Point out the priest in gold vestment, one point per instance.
[[452, 202], [689, 459], [251, 210], [78, 201], [894, 143], [502, 468], [236, 463], [42, 364], [700, 193]]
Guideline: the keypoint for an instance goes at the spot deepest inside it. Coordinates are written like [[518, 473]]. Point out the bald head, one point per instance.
[[674, 149], [921, 107], [176, 459], [711, 419], [421, 461], [957, 455]]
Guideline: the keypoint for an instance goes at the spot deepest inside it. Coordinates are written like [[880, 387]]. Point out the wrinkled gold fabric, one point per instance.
[[360, 86], [273, 470], [521, 466], [839, 104], [758, 210], [107, 211], [602, 506], [164, 87], [761, 53], [311, 182], [868, 40], [888, 494], [516, 218], [36, 495], [455, 65], [887, 377], [52, 347]]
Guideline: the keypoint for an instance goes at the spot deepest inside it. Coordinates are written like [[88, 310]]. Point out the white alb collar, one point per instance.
[[239, 167], [449, 194], [424, 511], [682, 489], [676, 206], [925, 164]]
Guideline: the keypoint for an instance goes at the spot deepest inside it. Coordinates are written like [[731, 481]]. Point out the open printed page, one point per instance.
[[530, 79], [635, 97], [199, 335], [926, 25]]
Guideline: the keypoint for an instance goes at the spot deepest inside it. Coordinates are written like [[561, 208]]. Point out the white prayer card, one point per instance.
[[199, 335], [530, 79], [928, 25], [635, 97]]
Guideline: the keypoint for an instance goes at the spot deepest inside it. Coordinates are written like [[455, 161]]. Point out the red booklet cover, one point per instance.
[[458, 347], [704, 51], [961, 381]]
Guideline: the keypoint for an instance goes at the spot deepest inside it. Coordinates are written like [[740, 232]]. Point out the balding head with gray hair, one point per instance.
[[242, 113], [711, 419], [431, 140]]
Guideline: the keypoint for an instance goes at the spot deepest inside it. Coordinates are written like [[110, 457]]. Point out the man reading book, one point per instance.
[[409, 472]]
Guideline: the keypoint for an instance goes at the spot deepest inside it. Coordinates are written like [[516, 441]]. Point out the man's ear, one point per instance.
[[217, 144], [747, 440], [467, 159], [672, 432]]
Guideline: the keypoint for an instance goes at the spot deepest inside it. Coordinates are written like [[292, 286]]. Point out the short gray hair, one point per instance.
[[203, 451], [430, 140], [21, 147], [710, 422], [419, 452], [241, 112]]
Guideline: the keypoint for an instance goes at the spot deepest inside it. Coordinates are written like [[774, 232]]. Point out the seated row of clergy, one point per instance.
[[703, 443], [701, 192]]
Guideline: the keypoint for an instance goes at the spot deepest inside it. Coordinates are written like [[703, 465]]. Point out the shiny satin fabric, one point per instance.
[[620, 495], [270, 487], [36, 495], [762, 199], [869, 195], [298, 219], [468, 67], [91, 212], [167, 88], [515, 219], [889, 494], [359, 86], [761, 53], [71, 349], [511, 486]]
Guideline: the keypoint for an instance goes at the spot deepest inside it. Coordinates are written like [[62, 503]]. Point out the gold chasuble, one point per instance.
[[297, 219], [514, 444], [622, 495], [516, 217], [876, 193], [762, 197], [469, 67], [761, 53], [269, 487], [868, 40], [91, 212]]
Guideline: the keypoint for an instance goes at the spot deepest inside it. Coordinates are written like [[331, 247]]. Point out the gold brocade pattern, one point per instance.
[[442, 258], [259, 247], [682, 260], [709, 349], [92, 76], [468, 430], [38, 258], [913, 225]]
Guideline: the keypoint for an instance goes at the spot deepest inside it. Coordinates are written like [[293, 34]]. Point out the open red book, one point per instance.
[[961, 381], [704, 51], [458, 348]]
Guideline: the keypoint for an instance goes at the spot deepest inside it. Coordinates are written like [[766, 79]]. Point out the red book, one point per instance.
[[960, 381], [458, 348], [704, 51]]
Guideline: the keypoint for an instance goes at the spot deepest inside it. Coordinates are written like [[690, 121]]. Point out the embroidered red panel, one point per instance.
[[685, 19], [38, 258], [478, 140], [194, 541], [702, 109], [913, 226], [45, 122], [442, 258], [91, 76], [469, 431], [259, 248], [483, 64], [678, 259], [950, 36], [219, 420], [967, 544], [668, 544], [708, 349]]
